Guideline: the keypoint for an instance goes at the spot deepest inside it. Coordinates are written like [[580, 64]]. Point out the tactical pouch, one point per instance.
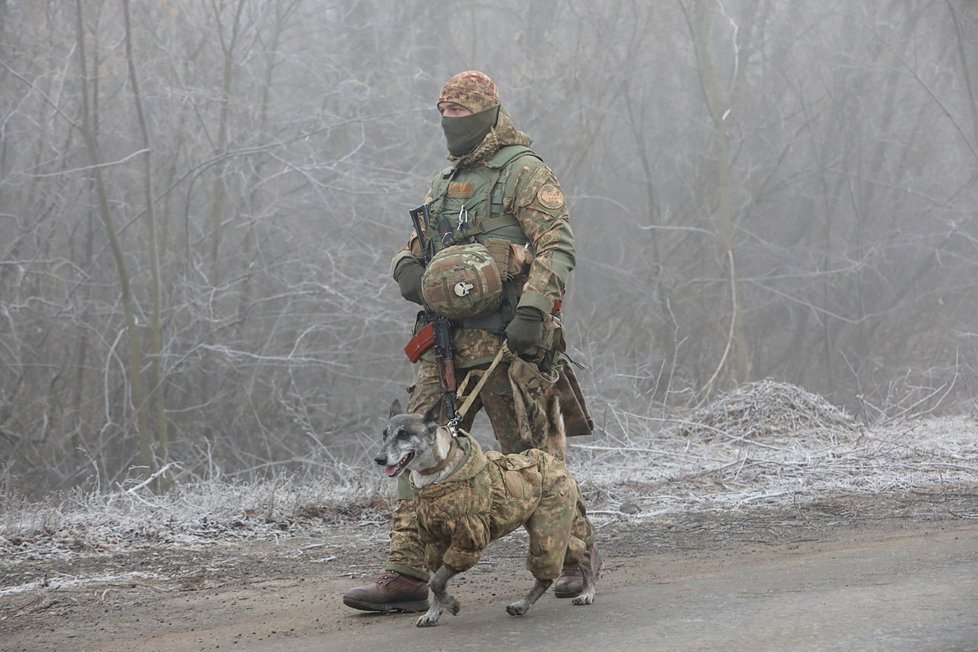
[[511, 259], [577, 420], [499, 249], [521, 474]]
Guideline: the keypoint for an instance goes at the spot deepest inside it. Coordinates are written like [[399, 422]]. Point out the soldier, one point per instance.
[[497, 193]]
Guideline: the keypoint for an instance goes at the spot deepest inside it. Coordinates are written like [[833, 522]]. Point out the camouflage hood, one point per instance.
[[503, 134]]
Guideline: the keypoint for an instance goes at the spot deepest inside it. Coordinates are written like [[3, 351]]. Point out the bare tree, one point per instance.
[[87, 127], [199, 201]]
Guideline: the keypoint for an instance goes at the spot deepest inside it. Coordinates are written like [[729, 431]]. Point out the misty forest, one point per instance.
[[199, 201]]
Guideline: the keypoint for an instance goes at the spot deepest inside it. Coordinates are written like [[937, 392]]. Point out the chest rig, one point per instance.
[[470, 205]]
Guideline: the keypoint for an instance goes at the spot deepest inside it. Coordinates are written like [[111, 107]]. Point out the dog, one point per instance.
[[466, 498]]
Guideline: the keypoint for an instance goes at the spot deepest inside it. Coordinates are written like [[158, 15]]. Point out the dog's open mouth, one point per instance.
[[393, 470]]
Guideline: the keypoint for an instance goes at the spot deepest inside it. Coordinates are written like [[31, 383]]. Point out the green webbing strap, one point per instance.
[[483, 227]]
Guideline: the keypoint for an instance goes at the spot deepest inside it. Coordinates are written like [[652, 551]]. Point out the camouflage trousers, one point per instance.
[[513, 428]]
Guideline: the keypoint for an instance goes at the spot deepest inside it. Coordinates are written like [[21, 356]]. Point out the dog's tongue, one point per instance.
[[393, 469]]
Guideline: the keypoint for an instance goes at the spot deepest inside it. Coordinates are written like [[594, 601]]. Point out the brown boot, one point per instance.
[[389, 592], [570, 584]]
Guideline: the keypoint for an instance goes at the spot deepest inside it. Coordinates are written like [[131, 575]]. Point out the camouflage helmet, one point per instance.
[[471, 89], [462, 281]]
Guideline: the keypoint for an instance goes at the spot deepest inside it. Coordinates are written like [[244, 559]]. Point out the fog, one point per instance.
[[199, 200]]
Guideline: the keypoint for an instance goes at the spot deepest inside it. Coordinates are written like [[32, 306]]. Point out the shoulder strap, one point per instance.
[[508, 154]]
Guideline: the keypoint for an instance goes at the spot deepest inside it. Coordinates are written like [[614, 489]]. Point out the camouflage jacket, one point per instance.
[[489, 496], [534, 198]]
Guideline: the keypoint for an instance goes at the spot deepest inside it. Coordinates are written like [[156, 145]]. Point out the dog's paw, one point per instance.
[[427, 621], [518, 608], [430, 618], [584, 598]]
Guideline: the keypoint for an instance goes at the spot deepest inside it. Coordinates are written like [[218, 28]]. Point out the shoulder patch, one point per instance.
[[550, 196]]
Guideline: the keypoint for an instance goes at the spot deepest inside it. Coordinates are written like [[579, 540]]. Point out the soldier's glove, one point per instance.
[[526, 329], [408, 276]]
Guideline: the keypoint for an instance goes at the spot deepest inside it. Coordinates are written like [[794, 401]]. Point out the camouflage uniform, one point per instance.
[[492, 494]]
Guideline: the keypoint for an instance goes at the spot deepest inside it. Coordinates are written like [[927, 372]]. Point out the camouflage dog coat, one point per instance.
[[492, 494]]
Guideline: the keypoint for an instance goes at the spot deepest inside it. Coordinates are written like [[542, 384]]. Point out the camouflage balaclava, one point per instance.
[[477, 93]]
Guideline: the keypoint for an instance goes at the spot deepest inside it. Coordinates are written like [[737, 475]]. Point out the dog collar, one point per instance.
[[449, 459]]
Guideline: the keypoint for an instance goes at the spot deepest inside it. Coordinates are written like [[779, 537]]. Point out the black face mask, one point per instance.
[[464, 134]]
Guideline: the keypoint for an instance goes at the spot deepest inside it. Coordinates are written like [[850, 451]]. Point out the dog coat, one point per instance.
[[492, 494]]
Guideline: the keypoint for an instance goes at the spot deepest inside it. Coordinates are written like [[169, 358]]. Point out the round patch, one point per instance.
[[550, 196]]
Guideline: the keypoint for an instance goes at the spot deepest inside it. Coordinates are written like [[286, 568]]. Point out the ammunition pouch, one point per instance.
[[512, 260]]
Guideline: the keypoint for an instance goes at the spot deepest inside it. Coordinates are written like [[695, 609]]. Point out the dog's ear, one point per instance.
[[396, 408], [432, 416]]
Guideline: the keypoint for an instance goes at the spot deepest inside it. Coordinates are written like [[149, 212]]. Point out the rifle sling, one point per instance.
[[483, 377]]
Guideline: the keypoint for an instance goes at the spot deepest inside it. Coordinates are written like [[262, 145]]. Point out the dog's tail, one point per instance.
[[556, 431]]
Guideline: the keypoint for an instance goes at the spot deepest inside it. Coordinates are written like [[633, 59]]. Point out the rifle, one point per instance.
[[440, 333]]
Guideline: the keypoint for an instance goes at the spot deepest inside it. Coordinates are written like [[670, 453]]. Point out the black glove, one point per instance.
[[526, 329], [408, 276]]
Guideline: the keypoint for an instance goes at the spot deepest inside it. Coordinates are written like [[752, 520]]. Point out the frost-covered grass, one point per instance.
[[671, 473], [773, 445], [770, 444], [190, 514]]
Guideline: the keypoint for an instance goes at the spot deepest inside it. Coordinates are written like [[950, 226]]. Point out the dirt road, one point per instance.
[[894, 574]]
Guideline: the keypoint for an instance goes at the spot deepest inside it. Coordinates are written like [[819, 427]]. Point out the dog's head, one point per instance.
[[410, 441]]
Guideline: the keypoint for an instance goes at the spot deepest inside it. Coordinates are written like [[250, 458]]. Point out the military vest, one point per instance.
[[469, 204]]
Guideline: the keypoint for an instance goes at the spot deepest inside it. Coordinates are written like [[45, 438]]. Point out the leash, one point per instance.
[[471, 396]]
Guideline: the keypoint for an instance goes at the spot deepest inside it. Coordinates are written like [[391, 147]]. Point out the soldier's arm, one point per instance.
[[541, 209]]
